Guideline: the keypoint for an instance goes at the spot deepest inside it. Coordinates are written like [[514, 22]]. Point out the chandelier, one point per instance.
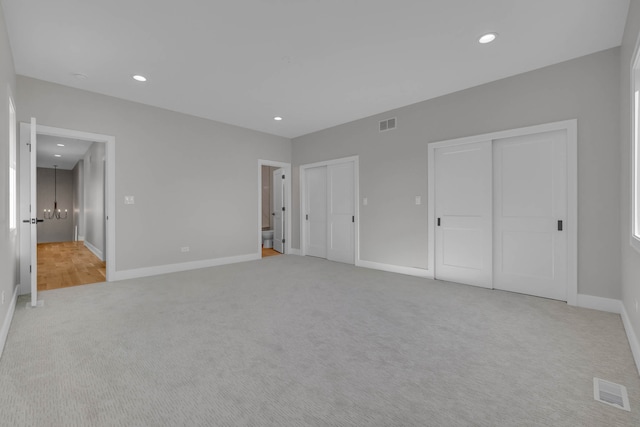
[[48, 214]]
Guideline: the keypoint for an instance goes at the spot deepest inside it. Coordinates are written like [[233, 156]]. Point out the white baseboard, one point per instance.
[[183, 266], [4, 332], [295, 251], [97, 252], [599, 303], [631, 337], [410, 271]]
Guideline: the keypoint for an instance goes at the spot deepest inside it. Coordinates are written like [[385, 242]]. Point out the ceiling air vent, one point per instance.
[[611, 393], [388, 124]]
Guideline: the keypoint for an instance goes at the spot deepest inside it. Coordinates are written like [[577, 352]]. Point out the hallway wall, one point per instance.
[[55, 230]]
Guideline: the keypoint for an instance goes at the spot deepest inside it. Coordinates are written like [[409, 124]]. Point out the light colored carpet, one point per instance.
[[293, 341]]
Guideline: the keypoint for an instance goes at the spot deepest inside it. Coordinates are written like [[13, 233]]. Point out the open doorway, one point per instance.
[[70, 197], [274, 218], [96, 193]]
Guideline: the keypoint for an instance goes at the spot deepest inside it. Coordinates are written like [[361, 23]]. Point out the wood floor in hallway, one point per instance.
[[64, 264]]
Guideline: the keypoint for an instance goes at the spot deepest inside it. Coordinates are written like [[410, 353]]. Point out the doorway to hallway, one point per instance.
[[82, 212]]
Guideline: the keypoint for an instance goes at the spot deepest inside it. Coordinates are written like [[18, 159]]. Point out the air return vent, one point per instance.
[[388, 124], [611, 393]]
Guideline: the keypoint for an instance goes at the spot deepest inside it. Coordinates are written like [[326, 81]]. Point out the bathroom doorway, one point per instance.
[[274, 222]]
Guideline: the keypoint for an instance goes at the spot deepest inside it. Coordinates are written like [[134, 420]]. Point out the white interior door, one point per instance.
[[28, 211], [341, 212], [463, 197], [278, 210], [316, 211], [530, 212]]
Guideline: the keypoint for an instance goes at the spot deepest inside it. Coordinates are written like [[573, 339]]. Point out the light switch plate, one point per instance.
[[418, 200], [365, 201]]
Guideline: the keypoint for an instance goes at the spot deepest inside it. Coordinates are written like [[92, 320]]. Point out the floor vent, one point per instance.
[[388, 124], [611, 393]]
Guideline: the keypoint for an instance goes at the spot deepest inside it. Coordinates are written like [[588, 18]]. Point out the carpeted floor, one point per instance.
[[298, 341]]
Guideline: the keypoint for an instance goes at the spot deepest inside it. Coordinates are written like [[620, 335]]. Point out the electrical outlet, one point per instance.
[[129, 200], [184, 249]]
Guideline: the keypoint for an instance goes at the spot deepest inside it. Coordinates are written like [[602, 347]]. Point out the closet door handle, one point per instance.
[[559, 225], [438, 222]]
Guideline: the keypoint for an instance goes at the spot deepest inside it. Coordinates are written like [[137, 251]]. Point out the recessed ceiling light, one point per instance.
[[487, 38], [57, 155], [277, 118], [139, 78], [60, 145]]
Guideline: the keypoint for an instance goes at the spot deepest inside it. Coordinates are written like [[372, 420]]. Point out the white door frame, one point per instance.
[[356, 195], [110, 185], [571, 127], [287, 203]]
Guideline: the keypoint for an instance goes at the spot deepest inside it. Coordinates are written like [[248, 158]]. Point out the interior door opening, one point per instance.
[[274, 218], [71, 201], [67, 208]]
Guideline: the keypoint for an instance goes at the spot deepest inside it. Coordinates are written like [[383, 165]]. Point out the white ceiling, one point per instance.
[[47, 148], [317, 63]]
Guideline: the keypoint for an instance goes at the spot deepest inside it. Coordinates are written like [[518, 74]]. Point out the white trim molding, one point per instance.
[[183, 266], [4, 332], [410, 271], [631, 336], [617, 307], [97, 252], [571, 128], [599, 303]]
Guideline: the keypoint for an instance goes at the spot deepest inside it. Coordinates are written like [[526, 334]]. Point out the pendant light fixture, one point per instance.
[[55, 214]]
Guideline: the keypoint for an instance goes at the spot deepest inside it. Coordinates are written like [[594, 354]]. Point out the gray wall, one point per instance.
[[8, 240], [78, 198], [94, 214], [630, 257], [195, 181], [55, 230], [393, 164]]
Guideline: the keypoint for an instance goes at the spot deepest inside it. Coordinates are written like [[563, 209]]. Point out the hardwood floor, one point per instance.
[[269, 252], [64, 264]]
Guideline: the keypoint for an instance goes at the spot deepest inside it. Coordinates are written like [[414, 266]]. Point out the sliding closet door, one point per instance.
[[341, 212], [463, 194], [316, 211], [530, 208]]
